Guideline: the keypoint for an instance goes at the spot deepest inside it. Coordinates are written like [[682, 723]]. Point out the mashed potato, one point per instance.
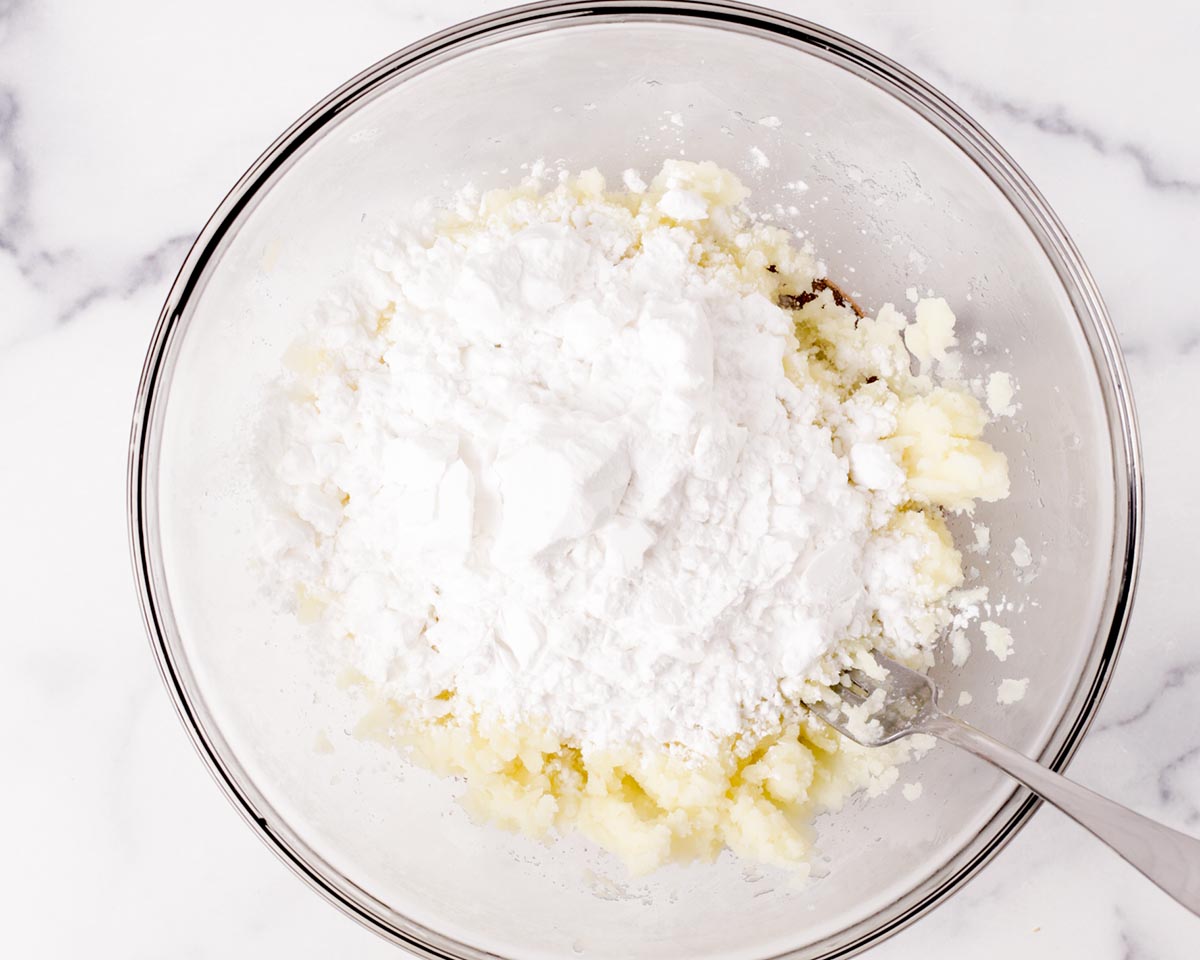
[[757, 799]]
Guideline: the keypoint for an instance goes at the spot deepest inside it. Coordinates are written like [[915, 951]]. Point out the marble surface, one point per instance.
[[122, 125]]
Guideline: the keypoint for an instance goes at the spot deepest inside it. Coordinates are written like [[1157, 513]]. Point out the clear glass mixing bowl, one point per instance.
[[903, 190]]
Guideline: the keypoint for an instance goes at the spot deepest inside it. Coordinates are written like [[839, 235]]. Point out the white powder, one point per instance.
[[965, 698], [1010, 691], [960, 648], [1021, 554], [686, 205], [931, 336], [997, 639], [551, 463], [1000, 394], [633, 181], [912, 791]]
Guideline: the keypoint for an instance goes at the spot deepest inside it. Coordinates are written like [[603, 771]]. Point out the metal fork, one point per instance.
[[909, 705]]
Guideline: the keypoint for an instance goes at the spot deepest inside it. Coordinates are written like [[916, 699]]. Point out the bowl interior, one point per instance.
[[890, 202]]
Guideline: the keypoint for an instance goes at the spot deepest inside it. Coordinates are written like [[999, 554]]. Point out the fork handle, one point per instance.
[[1167, 857]]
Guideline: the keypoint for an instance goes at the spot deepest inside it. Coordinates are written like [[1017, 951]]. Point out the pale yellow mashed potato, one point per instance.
[[760, 796]]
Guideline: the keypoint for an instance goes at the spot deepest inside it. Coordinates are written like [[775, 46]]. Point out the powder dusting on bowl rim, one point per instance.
[[806, 38]]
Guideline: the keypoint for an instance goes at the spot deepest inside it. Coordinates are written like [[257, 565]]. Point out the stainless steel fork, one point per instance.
[[909, 705]]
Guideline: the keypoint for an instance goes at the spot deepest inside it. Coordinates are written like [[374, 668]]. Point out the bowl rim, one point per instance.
[[805, 37]]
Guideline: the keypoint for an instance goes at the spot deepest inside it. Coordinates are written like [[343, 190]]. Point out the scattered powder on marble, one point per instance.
[[770, 122], [965, 698], [912, 791], [761, 160]]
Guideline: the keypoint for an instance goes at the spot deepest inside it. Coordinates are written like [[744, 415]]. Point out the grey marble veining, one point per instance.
[[122, 126], [1055, 120], [148, 270]]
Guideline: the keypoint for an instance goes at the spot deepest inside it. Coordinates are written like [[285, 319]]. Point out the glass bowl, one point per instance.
[[902, 190]]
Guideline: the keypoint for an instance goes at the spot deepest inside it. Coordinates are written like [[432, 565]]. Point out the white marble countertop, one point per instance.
[[122, 126]]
